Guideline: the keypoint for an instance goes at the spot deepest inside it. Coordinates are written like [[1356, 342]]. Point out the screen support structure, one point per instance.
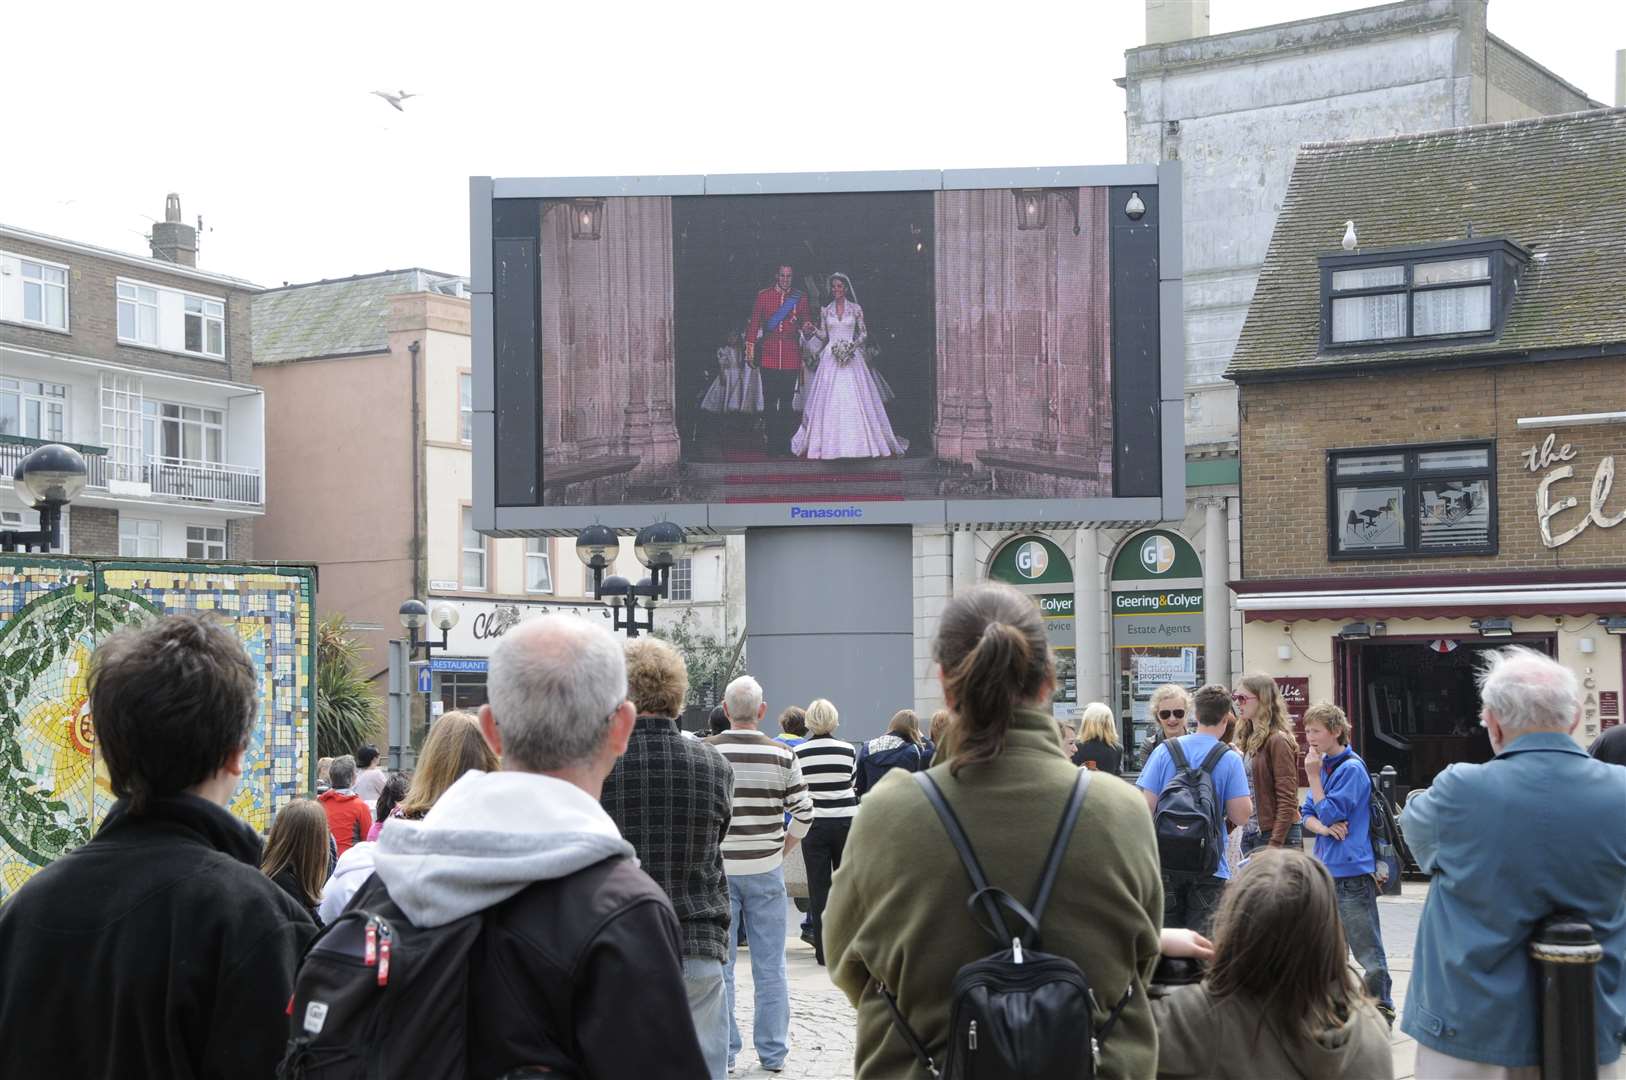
[[829, 613]]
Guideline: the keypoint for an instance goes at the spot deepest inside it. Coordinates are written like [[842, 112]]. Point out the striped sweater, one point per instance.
[[827, 766], [767, 785]]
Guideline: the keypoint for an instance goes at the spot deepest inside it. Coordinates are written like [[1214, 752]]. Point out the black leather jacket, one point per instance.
[[581, 976]]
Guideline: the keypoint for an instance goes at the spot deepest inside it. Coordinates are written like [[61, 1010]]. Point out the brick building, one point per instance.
[[142, 364], [1431, 405]]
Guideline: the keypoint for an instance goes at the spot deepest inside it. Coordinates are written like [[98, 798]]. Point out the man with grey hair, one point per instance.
[[767, 786], [574, 937], [1500, 840]]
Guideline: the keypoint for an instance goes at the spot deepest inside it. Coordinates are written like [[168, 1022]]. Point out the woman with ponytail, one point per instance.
[[897, 911]]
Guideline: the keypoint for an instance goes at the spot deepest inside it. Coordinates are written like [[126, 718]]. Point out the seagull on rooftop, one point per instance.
[[394, 97], [1349, 236]]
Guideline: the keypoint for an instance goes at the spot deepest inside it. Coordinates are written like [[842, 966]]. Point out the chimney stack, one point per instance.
[[172, 239], [1175, 20], [1620, 78]]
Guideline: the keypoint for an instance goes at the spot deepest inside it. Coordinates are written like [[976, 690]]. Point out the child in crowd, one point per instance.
[[1279, 998]]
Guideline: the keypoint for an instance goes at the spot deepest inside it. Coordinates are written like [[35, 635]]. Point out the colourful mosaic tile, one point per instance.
[[53, 790]]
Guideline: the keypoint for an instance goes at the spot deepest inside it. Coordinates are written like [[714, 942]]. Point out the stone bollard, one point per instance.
[[1566, 955]]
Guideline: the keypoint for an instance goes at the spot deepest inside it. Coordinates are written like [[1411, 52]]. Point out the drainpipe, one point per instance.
[[418, 589]]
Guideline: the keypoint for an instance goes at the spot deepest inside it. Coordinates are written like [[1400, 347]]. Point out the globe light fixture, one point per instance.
[[47, 479], [444, 616], [414, 614]]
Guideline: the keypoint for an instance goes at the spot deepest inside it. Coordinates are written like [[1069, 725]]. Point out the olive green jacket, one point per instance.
[[897, 909]]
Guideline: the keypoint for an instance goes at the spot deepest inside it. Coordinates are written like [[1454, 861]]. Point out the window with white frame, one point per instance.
[[37, 410], [538, 568], [138, 313], [205, 542], [45, 294], [183, 433], [474, 554], [141, 537], [1456, 289], [171, 319], [465, 407], [680, 581], [205, 326]]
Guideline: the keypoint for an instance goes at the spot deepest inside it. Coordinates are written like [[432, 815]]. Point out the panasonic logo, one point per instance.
[[806, 513]]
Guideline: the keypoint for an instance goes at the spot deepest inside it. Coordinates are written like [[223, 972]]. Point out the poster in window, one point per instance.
[[1371, 519], [1453, 513]]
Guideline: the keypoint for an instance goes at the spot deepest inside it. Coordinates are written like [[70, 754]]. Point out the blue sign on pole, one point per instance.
[[425, 680]]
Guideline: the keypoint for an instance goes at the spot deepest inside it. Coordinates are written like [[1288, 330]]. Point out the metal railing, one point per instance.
[[179, 478], [212, 480], [13, 448]]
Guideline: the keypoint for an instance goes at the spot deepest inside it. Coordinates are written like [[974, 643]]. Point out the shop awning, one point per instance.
[[1434, 596]]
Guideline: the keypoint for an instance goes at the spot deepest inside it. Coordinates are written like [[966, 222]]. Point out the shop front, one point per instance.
[[457, 674], [1158, 628], [1401, 660]]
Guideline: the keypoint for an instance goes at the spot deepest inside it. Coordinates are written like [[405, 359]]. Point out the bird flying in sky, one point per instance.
[[394, 97]]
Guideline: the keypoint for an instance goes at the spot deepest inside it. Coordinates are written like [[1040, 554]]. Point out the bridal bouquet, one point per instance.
[[843, 352]]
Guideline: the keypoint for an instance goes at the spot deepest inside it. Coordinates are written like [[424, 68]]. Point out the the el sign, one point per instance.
[[1546, 456]]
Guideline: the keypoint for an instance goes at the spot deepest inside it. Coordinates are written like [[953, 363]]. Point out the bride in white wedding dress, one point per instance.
[[843, 401]]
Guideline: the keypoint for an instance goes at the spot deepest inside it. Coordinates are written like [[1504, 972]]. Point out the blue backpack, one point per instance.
[[1189, 820]]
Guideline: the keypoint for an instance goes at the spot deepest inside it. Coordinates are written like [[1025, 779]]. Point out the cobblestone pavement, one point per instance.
[[822, 1026]]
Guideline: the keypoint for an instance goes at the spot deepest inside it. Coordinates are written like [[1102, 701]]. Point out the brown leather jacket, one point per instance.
[[1276, 787]]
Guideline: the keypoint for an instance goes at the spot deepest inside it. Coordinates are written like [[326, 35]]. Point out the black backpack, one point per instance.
[[1189, 820], [1017, 1014], [378, 997]]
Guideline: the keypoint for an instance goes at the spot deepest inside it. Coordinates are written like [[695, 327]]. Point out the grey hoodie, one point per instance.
[[489, 836], [1201, 1036]]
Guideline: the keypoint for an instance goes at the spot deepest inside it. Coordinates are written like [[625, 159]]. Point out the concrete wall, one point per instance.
[[337, 434], [1233, 108]]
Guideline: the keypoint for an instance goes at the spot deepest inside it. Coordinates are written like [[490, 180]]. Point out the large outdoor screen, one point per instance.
[[819, 355]]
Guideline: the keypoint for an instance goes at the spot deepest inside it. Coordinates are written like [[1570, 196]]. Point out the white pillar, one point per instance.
[[1216, 594], [963, 559], [1088, 603]]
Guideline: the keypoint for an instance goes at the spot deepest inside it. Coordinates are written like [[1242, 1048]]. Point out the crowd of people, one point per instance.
[[584, 867]]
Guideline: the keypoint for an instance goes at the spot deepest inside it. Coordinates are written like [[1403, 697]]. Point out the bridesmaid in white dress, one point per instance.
[[844, 402]]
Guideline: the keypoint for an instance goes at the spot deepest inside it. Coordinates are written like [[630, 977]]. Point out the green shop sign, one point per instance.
[[1156, 555], [1031, 560]]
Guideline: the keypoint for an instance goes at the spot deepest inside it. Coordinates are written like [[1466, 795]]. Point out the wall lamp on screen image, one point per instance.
[[1356, 631], [1615, 624], [1033, 207], [1496, 627]]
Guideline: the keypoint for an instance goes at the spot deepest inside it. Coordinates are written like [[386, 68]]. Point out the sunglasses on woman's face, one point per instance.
[[1171, 714], [1243, 699]]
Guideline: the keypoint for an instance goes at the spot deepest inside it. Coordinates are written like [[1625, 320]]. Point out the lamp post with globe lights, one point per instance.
[[658, 547], [47, 479], [415, 617]]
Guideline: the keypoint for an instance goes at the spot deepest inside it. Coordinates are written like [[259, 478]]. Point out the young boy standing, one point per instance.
[[1338, 812]]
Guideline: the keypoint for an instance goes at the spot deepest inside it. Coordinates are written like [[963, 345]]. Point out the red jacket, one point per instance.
[[348, 818], [778, 349]]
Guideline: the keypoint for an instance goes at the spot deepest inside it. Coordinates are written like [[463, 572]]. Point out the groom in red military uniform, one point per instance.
[[780, 316]]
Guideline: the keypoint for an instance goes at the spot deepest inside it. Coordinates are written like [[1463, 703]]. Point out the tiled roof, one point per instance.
[[332, 318], [1556, 186]]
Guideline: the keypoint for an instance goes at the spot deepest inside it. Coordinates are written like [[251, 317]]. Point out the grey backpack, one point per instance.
[[1189, 820]]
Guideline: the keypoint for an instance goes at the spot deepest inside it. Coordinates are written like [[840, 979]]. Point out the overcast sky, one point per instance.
[[260, 117]]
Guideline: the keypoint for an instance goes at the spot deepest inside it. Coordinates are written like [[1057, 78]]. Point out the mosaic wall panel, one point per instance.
[[53, 789]]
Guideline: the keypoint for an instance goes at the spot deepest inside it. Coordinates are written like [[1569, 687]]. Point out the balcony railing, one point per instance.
[[13, 448], [211, 480], [177, 478]]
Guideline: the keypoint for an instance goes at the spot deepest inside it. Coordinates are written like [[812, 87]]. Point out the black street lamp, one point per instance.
[[657, 547], [415, 615], [47, 479]]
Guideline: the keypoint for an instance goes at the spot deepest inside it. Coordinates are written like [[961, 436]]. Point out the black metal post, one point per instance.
[[46, 537], [1566, 954]]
